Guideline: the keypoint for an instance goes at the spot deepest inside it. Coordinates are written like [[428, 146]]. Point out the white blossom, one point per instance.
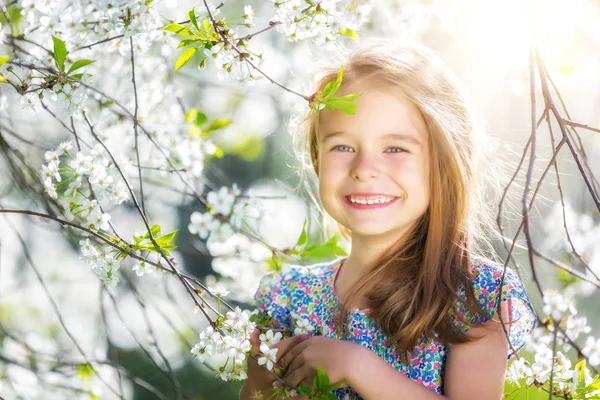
[[302, 325], [592, 350], [202, 224], [221, 201], [269, 338], [248, 16], [269, 359]]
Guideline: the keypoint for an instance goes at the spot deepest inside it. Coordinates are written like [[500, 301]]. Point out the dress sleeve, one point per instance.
[[488, 284], [273, 296]]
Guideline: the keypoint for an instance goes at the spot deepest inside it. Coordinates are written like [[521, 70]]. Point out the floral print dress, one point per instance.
[[308, 292]]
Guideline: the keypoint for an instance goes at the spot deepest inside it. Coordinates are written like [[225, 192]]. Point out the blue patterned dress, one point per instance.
[[308, 291]]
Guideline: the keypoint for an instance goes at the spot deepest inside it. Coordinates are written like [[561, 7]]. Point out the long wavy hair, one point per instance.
[[413, 289]]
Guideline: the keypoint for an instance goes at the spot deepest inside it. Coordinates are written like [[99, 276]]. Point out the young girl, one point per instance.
[[412, 312]]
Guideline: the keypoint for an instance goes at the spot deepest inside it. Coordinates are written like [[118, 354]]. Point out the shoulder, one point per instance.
[[493, 282], [497, 287]]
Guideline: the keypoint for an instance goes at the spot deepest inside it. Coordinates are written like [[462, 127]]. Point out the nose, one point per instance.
[[365, 167]]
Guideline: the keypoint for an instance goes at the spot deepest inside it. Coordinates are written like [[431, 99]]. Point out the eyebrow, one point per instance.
[[406, 137]]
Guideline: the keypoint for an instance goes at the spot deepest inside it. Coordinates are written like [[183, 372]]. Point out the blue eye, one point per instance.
[[342, 147], [395, 150]]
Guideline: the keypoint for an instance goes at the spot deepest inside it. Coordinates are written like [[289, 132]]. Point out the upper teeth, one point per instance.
[[370, 199]]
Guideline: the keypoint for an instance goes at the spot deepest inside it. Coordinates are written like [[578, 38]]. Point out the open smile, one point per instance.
[[368, 201]]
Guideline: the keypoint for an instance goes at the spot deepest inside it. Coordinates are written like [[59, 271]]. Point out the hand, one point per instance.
[[331, 355], [259, 378]]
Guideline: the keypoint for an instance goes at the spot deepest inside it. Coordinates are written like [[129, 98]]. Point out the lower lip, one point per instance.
[[369, 206]]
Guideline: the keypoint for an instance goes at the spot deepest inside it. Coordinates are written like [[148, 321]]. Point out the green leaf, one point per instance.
[[3, 60], [336, 385], [566, 279], [192, 16], [178, 29], [196, 117], [78, 76], [338, 81], [60, 52], [304, 390], [185, 57], [80, 64], [207, 25], [249, 147], [348, 32], [303, 236], [321, 381], [327, 90], [85, 372], [328, 249], [186, 42], [154, 230], [344, 103], [166, 239], [218, 124]]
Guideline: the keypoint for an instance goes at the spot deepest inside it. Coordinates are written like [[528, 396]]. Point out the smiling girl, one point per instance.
[[414, 312]]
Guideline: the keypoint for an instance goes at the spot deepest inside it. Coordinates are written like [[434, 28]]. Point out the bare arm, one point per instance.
[[474, 370]]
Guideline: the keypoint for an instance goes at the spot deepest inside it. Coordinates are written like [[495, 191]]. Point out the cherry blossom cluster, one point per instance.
[[561, 311], [565, 378], [32, 82], [226, 212], [230, 55], [230, 339], [84, 21], [84, 180], [101, 261], [322, 21]]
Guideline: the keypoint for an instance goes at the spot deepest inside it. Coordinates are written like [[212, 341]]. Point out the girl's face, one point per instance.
[[374, 166]]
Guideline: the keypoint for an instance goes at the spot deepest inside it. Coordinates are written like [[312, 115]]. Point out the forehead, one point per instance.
[[379, 111]]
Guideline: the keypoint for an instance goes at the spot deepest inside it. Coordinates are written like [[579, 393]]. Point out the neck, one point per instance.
[[364, 253]]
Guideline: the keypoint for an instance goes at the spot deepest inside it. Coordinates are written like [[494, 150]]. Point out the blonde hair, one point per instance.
[[413, 288]]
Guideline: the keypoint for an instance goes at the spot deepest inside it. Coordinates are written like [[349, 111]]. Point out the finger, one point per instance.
[[292, 354], [294, 365], [295, 377], [255, 341], [285, 345]]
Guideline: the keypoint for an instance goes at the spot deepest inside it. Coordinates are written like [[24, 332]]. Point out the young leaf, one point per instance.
[[3, 60], [218, 124], [326, 250], [192, 15], [348, 32], [336, 385], [207, 25], [79, 76], [195, 117], [60, 52], [304, 390], [85, 372], [80, 64], [322, 380], [303, 236], [338, 81], [166, 239], [178, 29], [344, 104], [186, 42], [327, 91], [185, 57]]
